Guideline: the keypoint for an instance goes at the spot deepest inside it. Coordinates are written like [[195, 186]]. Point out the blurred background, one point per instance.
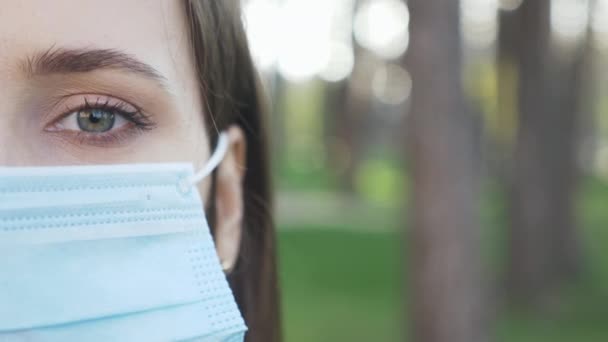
[[441, 167]]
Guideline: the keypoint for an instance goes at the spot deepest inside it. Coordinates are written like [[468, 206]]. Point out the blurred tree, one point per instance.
[[445, 250], [277, 118], [351, 107], [338, 146], [509, 36], [544, 244], [348, 106]]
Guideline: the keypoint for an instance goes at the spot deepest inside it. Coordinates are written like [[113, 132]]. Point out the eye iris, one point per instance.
[[95, 120]]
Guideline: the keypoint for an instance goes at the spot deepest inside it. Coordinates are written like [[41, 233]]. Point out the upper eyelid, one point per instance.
[[84, 103], [47, 95], [100, 95], [116, 107]]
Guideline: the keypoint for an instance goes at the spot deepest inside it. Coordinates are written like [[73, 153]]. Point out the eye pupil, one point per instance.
[[95, 120], [95, 116]]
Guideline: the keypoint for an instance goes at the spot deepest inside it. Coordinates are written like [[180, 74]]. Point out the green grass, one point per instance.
[[581, 312], [341, 285]]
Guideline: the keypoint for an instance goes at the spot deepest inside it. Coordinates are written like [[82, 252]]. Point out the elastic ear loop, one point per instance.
[[215, 159]]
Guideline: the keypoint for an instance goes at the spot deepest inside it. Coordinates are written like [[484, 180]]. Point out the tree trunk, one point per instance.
[[544, 251], [445, 252], [277, 120], [509, 37]]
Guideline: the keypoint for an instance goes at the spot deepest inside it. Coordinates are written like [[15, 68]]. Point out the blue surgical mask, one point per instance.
[[111, 253]]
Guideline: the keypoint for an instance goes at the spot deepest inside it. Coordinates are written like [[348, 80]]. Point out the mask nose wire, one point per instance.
[[215, 159]]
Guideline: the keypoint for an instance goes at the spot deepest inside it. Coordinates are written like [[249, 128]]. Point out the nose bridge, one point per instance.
[[10, 147], [6, 119], [11, 143], [20, 143]]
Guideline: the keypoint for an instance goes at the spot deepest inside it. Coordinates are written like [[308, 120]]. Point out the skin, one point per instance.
[[38, 110]]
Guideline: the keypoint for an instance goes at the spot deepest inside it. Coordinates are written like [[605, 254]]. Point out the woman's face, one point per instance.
[[58, 57], [104, 82]]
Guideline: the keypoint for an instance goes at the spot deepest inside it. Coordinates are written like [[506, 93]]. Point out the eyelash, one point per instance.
[[136, 116], [138, 121]]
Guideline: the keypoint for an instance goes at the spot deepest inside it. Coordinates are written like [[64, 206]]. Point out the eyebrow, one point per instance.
[[64, 61]]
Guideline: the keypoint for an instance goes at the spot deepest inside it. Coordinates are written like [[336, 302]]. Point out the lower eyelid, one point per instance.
[[114, 138]]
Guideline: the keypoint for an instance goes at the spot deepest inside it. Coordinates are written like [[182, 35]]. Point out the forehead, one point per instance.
[[154, 31]]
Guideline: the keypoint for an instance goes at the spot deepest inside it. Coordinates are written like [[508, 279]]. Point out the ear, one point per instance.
[[229, 202]]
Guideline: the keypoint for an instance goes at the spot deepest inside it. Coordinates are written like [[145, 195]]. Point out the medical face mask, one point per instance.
[[111, 253]]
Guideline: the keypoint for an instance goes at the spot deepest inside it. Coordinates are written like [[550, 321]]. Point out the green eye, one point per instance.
[[95, 120]]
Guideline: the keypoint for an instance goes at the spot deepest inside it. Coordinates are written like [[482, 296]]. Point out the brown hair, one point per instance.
[[231, 94]]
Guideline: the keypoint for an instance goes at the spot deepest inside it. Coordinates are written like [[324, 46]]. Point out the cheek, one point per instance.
[[189, 139], [179, 141], [22, 143]]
